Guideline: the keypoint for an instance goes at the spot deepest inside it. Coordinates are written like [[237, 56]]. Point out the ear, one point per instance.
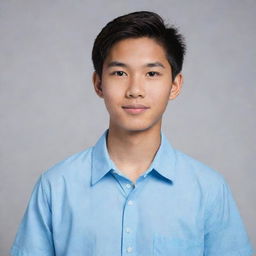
[[176, 86], [97, 84]]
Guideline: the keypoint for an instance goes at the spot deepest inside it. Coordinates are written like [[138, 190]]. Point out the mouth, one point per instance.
[[135, 108]]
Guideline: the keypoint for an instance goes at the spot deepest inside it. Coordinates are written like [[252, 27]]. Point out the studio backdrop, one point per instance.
[[49, 110]]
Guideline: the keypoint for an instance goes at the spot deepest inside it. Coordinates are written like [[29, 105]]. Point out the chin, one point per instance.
[[135, 125], [138, 127]]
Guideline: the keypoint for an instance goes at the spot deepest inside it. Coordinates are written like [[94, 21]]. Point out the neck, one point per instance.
[[132, 152]]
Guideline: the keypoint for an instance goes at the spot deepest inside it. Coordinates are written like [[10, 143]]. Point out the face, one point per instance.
[[136, 84]]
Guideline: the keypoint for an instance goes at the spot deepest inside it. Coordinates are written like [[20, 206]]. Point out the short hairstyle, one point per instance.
[[136, 25]]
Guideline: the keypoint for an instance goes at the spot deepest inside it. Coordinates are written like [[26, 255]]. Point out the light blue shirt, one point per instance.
[[84, 206]]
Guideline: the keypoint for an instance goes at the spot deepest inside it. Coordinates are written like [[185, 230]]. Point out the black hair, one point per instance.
[[136, 25]]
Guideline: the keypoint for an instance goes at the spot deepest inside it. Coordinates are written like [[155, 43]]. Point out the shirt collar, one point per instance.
[[163, 163], [165, 160]]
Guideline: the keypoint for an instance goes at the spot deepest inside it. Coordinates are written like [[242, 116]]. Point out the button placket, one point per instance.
[[130, 224], [130, 216]]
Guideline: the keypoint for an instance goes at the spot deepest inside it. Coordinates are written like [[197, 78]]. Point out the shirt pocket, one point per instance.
[[169, 246]]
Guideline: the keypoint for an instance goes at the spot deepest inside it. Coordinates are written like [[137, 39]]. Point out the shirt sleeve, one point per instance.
[[34, 236], [225, 233]]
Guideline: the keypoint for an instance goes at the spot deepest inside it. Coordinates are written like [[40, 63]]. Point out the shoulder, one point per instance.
[[73, 166], [197, 174], [197, 168]]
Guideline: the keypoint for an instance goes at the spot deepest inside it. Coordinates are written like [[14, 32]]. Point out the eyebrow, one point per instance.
[[120, 64]]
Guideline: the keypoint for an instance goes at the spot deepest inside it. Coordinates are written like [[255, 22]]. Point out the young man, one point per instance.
[[132, 193]]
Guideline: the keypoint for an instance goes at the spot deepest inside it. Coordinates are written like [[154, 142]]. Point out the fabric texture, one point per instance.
[[84, 205]]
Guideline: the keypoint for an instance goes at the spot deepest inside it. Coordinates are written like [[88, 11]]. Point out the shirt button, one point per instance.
[[128, 230], [130, 202], [129, 249], [128, 185]]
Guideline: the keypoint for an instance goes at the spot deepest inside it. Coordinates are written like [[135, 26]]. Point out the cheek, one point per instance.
[[111, 92], [112, 98], [160, 93]]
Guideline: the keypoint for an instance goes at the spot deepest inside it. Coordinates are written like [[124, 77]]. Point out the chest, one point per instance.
[[153, 218]]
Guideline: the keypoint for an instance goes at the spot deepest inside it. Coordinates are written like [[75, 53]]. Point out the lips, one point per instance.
[[135, 108]]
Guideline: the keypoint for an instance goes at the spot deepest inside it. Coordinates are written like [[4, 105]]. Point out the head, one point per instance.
[[136, 25], [138, 65]]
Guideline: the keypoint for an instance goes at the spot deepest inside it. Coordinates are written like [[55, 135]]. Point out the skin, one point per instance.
[[136, 71]]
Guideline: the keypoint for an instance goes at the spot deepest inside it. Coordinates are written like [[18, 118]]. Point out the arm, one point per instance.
[[225, 233], [34, 236]]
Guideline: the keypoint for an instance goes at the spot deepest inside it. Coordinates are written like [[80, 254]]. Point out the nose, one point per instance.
[[135, 88]]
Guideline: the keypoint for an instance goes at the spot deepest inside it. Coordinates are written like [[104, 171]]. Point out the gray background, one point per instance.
[[49, 110]]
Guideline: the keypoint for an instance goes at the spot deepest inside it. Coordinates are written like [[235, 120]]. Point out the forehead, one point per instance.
[[137, 50]]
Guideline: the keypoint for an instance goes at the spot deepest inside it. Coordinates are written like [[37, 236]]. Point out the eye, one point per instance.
[[153, 73], [118, 73]]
